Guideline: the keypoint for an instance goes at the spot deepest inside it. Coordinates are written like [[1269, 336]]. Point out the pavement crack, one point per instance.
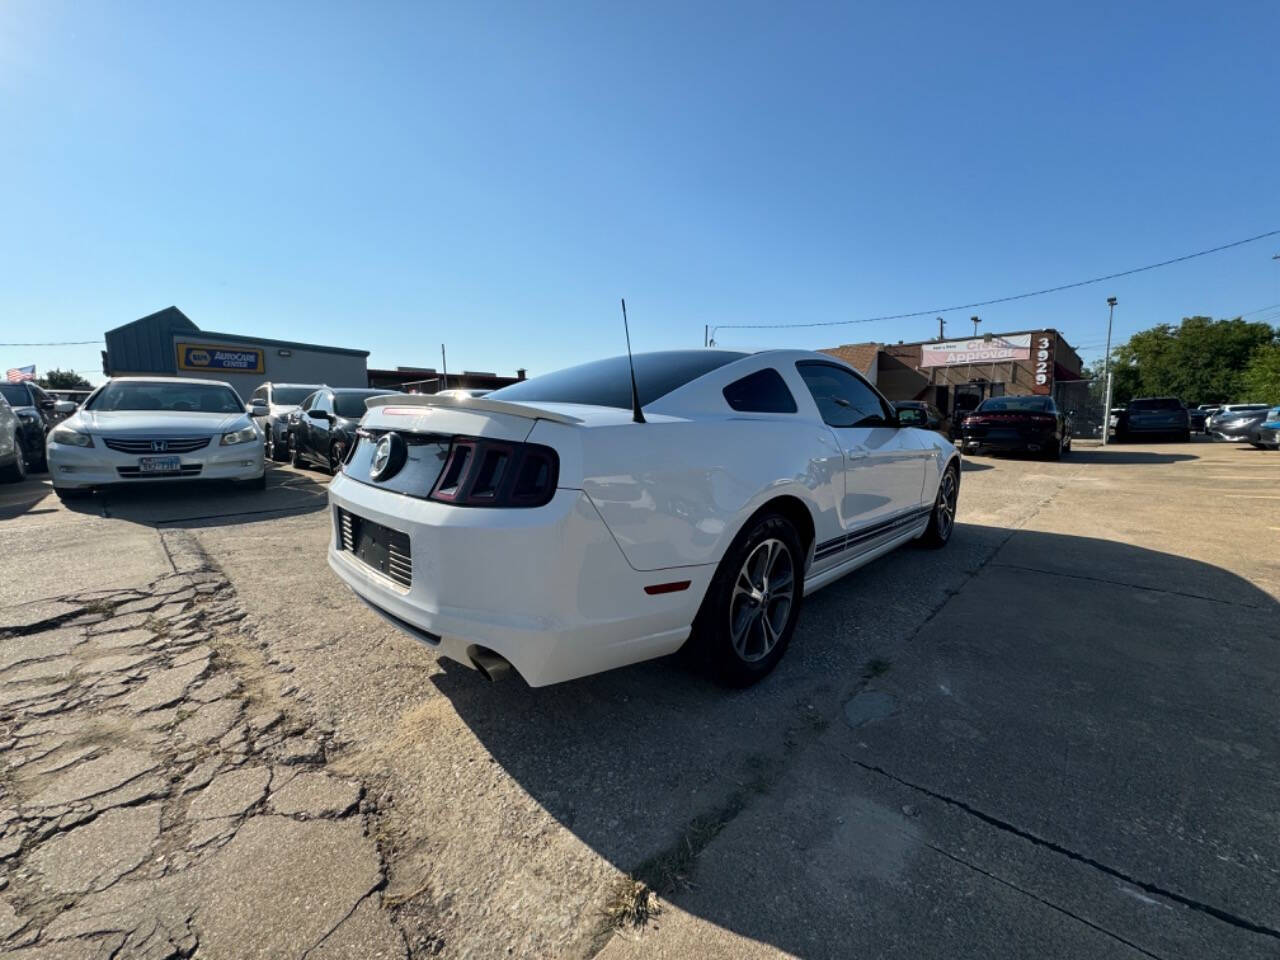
[[1120, 583], [1039, 899], [1217, 913]]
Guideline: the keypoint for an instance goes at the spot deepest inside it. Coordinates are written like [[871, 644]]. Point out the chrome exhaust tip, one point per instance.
[[491, 666]]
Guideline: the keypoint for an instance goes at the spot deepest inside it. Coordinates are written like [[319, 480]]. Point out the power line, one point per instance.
[[988, 303]]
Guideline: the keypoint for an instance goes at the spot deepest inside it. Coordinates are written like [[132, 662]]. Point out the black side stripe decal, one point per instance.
[[830, 548]]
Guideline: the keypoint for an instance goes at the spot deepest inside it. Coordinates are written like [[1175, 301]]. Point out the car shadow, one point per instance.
[[973, 466], [652, 766], [208, 503], [27, 497], [1118, 456]]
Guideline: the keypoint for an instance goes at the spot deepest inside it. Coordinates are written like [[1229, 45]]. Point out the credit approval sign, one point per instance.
[[978, 350], [224, 357]]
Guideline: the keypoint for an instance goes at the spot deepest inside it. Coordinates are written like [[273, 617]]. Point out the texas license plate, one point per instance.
[[159, 465]]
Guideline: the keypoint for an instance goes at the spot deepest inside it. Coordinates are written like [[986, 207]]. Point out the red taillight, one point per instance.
[[497, 473]]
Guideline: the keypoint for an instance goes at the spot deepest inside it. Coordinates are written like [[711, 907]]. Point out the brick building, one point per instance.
[[957, 375]]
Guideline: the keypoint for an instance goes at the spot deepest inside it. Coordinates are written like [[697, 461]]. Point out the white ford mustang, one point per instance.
[[565, 525], [135, 429]]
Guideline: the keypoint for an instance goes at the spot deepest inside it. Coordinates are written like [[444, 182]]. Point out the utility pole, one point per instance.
[[444, 370], [976, 321], [706, 334], [942, 325], [1106, 373]]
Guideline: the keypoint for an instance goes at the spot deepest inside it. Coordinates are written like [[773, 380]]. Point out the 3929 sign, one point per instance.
[[1042, 364]]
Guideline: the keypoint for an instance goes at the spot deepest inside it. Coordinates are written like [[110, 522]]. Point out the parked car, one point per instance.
[[1207, 410], [1152, 417], [1235, 423], [573, 523], [323, 428], [37, 414], [138, 429], [270, 405], [1030, 424], [918, 413], [1266, 435], [13, 459], [1197, 419]]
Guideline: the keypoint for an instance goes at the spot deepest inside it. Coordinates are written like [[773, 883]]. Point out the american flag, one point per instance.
[[18, 374]]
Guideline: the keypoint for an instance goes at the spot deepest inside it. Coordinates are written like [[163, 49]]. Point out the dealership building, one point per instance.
[[957, 375], [168, 344]]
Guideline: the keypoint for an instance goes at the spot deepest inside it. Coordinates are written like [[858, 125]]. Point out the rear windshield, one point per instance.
[[1016, 405], [177, 396], [351, 405], [290, 396], [1156, 403], [607, 383]]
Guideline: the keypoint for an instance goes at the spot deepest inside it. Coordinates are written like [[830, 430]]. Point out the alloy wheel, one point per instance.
[[945, 511], [763, 594]]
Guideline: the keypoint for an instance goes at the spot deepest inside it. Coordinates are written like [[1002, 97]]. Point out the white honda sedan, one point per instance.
[[138, 429], [573, 523]]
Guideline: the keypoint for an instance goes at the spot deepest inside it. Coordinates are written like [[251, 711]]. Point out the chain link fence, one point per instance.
[[1084, 399]]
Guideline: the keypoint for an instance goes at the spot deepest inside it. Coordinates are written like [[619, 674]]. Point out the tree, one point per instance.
[[1260, 381], [1201, 361], [56, 379]]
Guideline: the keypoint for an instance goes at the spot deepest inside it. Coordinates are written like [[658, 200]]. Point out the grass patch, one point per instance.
[[631, 904]]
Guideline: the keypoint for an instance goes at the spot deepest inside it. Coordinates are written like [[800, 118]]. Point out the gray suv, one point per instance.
[[271, 405]]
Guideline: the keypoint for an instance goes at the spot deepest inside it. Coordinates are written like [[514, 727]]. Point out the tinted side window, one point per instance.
[[761, 392], [842, 398], [308, 403]]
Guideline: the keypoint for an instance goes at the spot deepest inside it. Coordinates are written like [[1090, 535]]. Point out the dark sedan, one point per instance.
[[38, 413], [1152, 417], [1240, 424], [322, 429], [1031, 424]]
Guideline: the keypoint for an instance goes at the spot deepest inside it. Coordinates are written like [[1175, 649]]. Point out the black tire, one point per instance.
[[1055, 451], [295, 455], [16, 472], [335, 459], [274, 452], [942, 521], [741, 656], [1257, 446]]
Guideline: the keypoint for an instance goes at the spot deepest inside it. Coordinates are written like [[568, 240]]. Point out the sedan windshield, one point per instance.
[[351, 405], [1015, 405], [16, 394], [290, 396], [177, 396], [607, 383]]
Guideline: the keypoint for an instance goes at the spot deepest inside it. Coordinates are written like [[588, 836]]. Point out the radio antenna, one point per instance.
[[636, 415]]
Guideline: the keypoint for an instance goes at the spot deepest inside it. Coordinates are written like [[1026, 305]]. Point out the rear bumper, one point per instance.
[[72, 468], [1031, 442], [547, 588]]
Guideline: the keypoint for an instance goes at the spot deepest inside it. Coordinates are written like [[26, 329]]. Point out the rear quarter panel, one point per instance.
[[676, 492]]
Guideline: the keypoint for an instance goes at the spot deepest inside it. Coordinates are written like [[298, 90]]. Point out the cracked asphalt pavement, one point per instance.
[[1057, 737]]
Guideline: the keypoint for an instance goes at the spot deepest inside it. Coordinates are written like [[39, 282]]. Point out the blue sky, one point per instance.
[[391, 176]]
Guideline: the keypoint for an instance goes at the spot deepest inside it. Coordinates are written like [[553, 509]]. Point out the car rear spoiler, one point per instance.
[[482, 404]]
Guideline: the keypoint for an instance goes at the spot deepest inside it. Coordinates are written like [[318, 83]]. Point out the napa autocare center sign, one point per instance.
[[219, 357], [953, 353]]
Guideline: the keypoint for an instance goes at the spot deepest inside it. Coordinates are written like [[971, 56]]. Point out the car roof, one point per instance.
[[361, 390], [275, 383], [215, 383]]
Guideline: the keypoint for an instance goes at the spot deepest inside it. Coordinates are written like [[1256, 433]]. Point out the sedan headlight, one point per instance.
[[71, 438], [240, 436]]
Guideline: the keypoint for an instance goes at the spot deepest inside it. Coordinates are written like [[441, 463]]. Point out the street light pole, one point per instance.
[[1106, 373]]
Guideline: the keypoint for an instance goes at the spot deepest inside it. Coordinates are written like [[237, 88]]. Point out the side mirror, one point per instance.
[[64, 407], [317, 415], [258, 408], [47, 403]]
